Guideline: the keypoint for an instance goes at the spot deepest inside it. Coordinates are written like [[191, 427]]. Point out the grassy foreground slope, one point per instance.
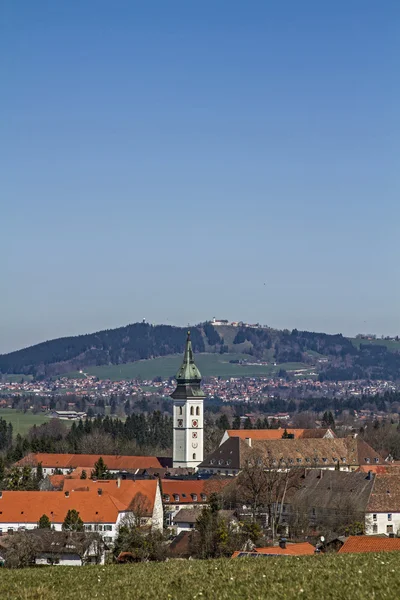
[[337, 577]]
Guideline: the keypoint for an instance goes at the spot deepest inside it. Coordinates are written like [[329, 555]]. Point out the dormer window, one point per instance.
[[299, 460], [203, 497], [316, 459], [344, 459], [221, 461], [367, 460], [194, 497], [325, 460], [166, 497], [176, 497], [212, 461], [291, 461], [308, 460], [376, 459], [228, 462]]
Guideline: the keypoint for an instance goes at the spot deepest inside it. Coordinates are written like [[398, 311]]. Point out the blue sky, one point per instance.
[[183, 160]]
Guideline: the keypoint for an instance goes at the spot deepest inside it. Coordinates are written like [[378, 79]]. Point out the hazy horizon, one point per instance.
[[192, 324], [179, 161]]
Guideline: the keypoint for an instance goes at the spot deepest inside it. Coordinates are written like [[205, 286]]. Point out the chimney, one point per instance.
[[67, 494], [119, 482], [248, 440], [282, 543], [99, 491]]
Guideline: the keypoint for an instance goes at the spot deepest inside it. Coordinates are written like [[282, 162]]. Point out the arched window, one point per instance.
[[180, 410], [198, 410], [192, 410], [194, 456]]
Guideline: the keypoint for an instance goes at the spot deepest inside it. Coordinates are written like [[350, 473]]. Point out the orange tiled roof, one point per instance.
[[185, 488], [28, 507], [125, 493], [87, 461], [370, 543], [301, 549], [263, 434]]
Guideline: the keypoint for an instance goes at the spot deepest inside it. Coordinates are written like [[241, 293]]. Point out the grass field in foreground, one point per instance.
[[335, 577], [22, 422], [167, 366]]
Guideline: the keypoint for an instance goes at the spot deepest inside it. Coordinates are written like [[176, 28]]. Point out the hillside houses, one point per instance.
[[102, 506]]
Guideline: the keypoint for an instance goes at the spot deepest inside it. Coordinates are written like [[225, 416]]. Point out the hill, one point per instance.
[[333, 576], [334, 357]]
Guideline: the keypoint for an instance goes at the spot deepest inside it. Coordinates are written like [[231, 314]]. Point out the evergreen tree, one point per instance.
[[248, 424], [100, 470], [72, 521], [83, 474], [236, 422], [44, 522], [39, 472], [223, 423]]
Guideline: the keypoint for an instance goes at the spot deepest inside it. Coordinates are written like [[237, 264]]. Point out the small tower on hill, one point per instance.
[[188, 413]]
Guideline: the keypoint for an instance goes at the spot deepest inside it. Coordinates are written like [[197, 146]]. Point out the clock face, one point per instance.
[[180, 422], [194, 434], [195, 423], [194, 445]]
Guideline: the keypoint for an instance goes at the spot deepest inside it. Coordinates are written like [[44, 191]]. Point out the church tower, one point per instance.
[[188, 413]]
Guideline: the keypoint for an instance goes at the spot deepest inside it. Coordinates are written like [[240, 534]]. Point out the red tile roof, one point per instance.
[[301, 549], [87, 461], [187, 488], [83, 496], [28, 507], [370, 543], [263, 434]]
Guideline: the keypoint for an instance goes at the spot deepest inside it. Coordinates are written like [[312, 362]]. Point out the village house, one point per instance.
[[383, 509], [186, 518], [188, 493], [325, 501], [64, 548], [277, 434], [344, 454], [67, 463], [102, 506]]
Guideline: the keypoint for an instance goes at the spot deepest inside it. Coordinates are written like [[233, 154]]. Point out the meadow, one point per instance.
[[166, 366], [336, 577], [21, 421], [391, 345]]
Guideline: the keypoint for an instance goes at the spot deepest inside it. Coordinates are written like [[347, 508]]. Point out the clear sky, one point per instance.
[[179, 160]]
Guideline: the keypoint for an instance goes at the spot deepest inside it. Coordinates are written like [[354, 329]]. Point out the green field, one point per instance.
[[16, 378], [22, 422], [334, 577], [391, 345], [166, 366]]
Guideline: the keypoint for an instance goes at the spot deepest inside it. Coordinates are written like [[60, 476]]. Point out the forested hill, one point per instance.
[[334, 357]]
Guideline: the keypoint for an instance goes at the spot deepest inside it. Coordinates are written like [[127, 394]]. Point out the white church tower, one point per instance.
[[188, 413]]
